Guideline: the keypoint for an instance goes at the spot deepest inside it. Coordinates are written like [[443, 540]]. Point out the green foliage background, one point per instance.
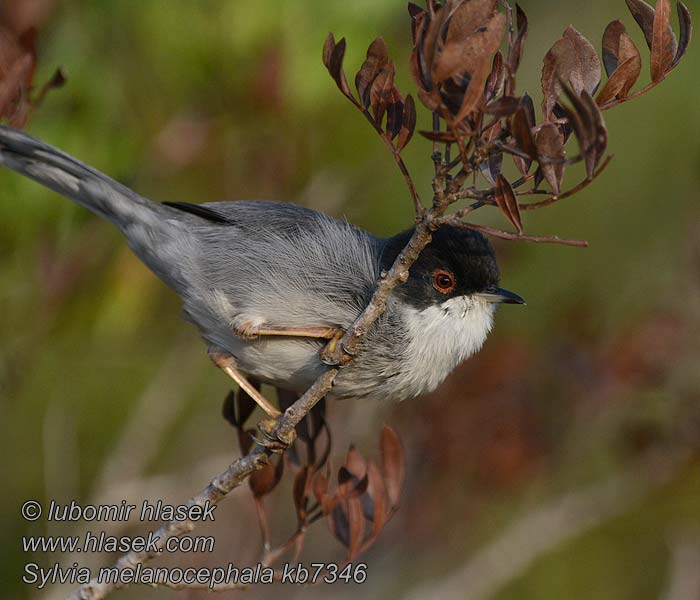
[[209, 100]]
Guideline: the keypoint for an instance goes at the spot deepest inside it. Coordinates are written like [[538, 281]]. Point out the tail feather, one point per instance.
[[154, 231], [77, 181]]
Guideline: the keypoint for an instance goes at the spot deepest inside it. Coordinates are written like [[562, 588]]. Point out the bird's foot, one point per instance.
[[335, 354], [272, 439]]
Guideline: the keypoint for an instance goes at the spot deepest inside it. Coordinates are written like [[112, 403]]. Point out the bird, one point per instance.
[[269, 283]]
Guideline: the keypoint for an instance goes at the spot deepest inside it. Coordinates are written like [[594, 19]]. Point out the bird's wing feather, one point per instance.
[[282, 265]]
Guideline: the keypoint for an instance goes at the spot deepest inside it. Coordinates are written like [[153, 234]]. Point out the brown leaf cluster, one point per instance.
[[464, 62], [454, 46], [392, 115], [18, 57], [356, 501]]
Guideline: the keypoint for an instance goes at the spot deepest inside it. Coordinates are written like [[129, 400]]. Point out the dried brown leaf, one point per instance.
[[264, 480], [427, 46], [338, 523], [381, 92], [328, 504], [643, 13], [519, 42], [663, 42], [377, 491], [333, 55], [621, 81], [349, 485], [328, 48], [587, 122], [239, 406], [492, 166], [492, 133], [355, 463], [416, 71], [429, 100], [600, 134], [503, 107], [686, 32], [468, 18], [573, 60], [356, 526], [507, 201], [17, 63], [473, 35], [299, 492], [394, 114], [229, 408], [521, 127], [550, 150], [471, 55], [416, 12], [496, 79], [320, 487], [622, 60], [475, 94], [611, 45], [393, 464], [408, 123], [445, 137], [377, 58]]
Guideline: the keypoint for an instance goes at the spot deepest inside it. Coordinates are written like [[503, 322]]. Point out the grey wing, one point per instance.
[[276, 263]]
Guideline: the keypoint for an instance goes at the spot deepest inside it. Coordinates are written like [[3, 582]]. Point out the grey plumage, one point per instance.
[[242, 264]]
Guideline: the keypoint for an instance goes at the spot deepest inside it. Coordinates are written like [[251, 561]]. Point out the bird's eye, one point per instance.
[[443, 281]]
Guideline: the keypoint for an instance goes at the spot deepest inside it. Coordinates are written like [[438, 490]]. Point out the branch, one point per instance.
[[417, 204], [218, 488], [505, 235], [574, 190]]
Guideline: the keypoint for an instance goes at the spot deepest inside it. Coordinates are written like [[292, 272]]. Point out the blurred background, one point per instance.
[[561, 462]]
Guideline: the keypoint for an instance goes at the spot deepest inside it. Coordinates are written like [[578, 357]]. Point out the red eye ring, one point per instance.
[[444, 281]]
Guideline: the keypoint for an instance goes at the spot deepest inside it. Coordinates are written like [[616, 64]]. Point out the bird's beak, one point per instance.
[[499, 296]]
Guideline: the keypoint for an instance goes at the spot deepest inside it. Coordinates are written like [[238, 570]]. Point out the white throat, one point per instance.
[[443, 336]]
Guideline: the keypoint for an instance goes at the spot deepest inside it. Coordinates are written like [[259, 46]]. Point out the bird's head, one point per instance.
[[457, 269]]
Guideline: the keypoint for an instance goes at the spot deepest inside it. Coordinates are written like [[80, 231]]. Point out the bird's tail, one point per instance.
[[152, 229], [68, 176]]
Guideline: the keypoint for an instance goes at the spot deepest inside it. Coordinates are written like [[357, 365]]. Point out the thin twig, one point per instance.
[[436, 152], [574, 190], [417, 204], [506, 235], [217, 489], [639, 92]]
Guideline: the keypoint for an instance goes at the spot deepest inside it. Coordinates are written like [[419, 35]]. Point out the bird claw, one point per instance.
[[345, 350], [271, 439], [329, 353], [328, 361]]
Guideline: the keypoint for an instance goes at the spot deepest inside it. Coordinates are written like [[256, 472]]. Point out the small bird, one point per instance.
[[269, 283]]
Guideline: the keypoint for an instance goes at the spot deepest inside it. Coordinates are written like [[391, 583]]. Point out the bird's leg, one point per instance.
[[335, 339], [334, 334], [227, 364], [321, 333]]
